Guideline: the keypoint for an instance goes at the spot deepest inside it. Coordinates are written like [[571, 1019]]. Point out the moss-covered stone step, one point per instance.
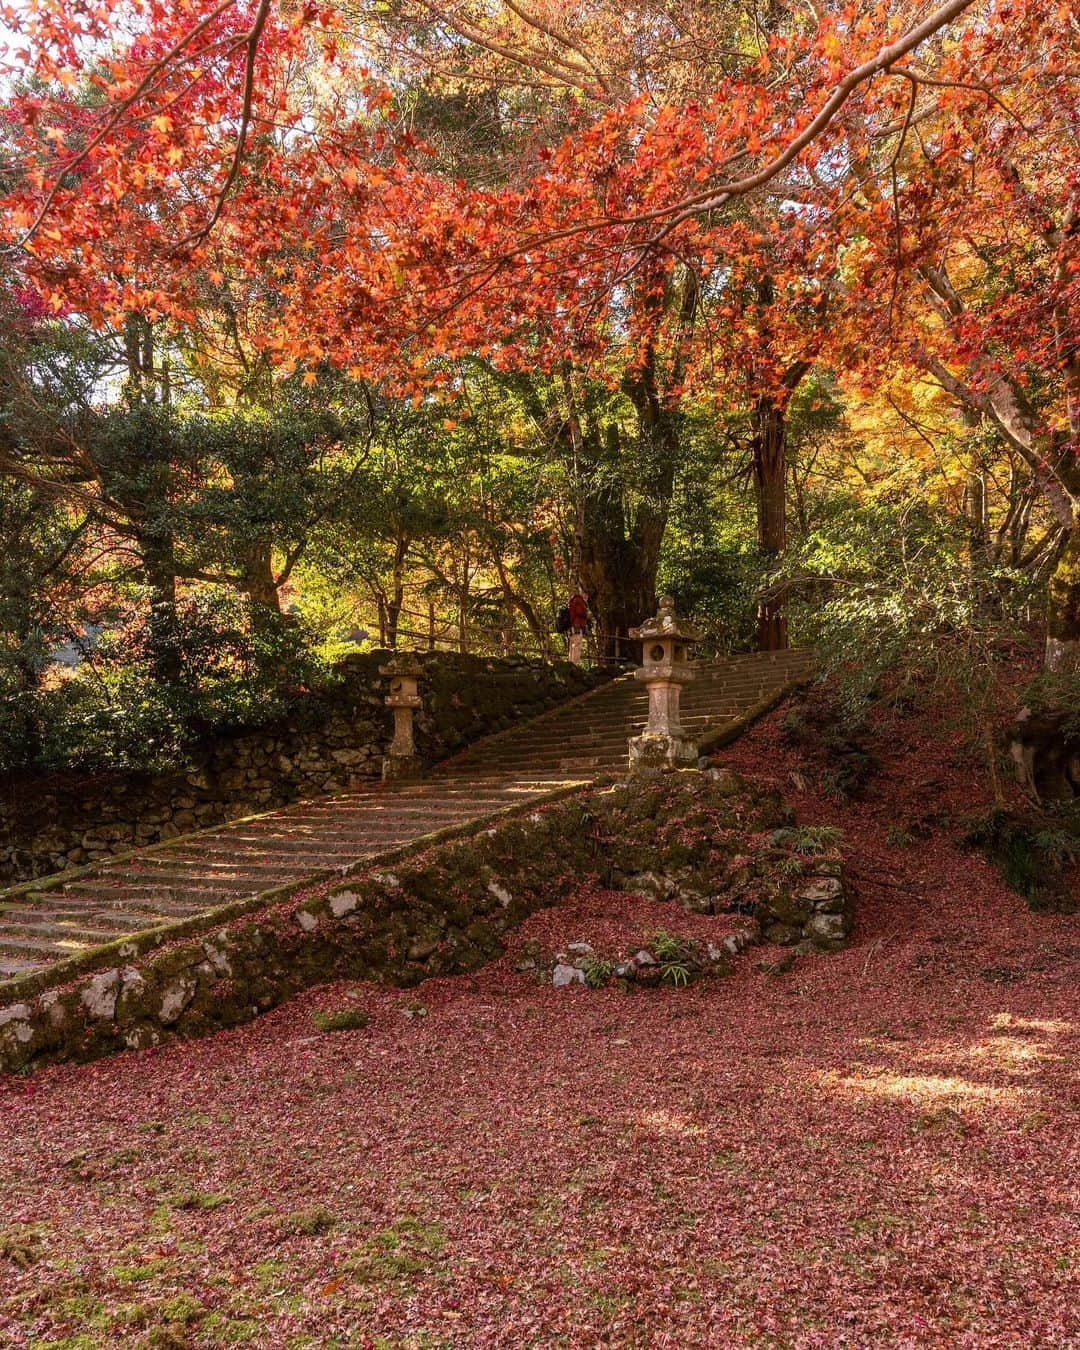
[[24, 917], [153, 887], [10, 968], [171, 871], [106, 904], [45, 948], [67, 929]]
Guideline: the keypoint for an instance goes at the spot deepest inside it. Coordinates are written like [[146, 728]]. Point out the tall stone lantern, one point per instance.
[[665, 642], [404, 673]]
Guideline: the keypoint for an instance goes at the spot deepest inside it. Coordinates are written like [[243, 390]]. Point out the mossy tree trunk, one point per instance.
[[1063, 606], [260, 585], [769, 463], [621, 539]]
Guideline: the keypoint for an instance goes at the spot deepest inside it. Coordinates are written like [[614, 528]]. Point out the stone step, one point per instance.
[[62, 930], [191, 899], [26, 916], [527, 754], [331, 849], [154, 882], [553, 759], [43, 948], [602, 735], [395, 815], [693, 712], [284, 840], [125, 891], [312, 813], [169, 870], [390, 815], [10, 967], [101, 903], [186, 898]]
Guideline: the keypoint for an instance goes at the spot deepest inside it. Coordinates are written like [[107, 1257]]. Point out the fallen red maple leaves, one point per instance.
[[878, 1148]]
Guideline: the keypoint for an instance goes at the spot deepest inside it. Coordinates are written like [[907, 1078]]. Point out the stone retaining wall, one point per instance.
[[334, 741], [721, 843]]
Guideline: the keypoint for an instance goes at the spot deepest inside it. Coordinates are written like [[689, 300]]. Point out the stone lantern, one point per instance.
[[665, 642], [404, 673]]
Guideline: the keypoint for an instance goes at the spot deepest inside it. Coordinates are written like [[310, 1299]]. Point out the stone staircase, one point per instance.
[[55, 927]]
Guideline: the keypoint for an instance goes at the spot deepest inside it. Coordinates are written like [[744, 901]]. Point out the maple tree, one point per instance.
[[531, 185]]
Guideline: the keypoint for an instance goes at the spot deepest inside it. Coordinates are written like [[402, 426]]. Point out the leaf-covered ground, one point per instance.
[[881, 1147]]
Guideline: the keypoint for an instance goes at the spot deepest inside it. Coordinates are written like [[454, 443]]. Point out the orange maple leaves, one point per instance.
[[207, 162]]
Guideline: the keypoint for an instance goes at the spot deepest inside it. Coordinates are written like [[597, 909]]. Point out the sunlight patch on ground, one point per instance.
[[925, 1089], [1055, 1027], [669, 1124], [1011, 1054]]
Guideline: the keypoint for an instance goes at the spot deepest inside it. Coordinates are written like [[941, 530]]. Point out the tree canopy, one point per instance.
[[441, 305]]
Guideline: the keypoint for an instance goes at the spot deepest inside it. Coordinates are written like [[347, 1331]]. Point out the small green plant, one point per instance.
[[899, 836], [1061, 846], [674, 955], [809, 840], [675, 973], [817, 839], [344, 1019], [667, 946], [597, 973]]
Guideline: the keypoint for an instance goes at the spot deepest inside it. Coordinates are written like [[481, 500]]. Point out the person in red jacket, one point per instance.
[[579, 624]]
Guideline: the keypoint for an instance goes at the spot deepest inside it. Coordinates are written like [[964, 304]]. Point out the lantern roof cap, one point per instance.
[[406, 664], [666, 624]]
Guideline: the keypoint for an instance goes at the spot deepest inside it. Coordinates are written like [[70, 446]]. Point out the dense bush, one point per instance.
[[891, 584], [235, 668]]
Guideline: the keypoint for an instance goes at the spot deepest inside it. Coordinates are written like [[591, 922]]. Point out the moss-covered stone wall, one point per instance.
[[712, 842]]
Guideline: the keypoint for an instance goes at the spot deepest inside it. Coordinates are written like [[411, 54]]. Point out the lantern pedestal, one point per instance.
[[664, 744], [402, 761]]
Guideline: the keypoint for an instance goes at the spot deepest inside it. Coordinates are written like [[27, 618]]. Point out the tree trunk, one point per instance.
[[769, 450], [620, 551], [160, 567], [463, 601], [980, 544], [397, 599], [1063, 606], [619, 560], [260, 585], [619, 572]]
